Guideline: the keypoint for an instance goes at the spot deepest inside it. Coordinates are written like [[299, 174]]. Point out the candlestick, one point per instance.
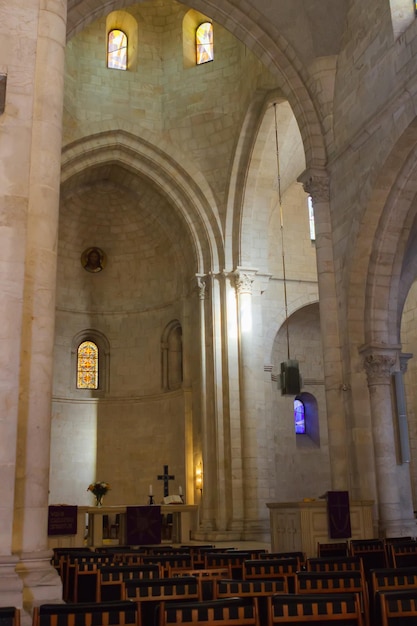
[[150, 490]]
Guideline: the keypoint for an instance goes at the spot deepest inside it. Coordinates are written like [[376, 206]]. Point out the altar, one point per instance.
[[90, 525], [300, 526]]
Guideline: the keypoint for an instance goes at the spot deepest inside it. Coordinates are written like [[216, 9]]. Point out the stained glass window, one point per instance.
[[299, 417], [117, 50], [204, 43], [87, 365]]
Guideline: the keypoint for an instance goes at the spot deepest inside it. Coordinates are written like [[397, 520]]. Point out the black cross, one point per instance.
[[166, 477]]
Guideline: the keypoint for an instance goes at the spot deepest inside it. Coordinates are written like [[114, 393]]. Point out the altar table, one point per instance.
[[90, 525]]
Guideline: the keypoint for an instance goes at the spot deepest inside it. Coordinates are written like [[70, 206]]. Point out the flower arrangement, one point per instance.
[[99, 490]]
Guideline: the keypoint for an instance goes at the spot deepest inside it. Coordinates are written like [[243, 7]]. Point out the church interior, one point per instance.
[[208, 260]]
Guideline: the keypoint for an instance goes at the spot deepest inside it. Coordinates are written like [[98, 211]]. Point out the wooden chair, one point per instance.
[[316, 609], [338, 548], [403, 554], [335, 582], [149, 593], [112, 577], [286, 555], [335, 564], [85, 614], [260, 589], [206, 578], [272, 568], [9, 616], [373, 553], [165, 561], [233, 559], [86, 583], [389, 579], [73, 562], [399, 608], [224, 612]]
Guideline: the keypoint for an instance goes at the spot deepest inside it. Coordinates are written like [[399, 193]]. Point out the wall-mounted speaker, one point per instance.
[[290, 378]]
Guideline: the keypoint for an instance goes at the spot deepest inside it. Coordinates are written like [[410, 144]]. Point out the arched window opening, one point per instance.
[[311, 218], [172, 355], [87, 365], [117, 50], [204, 43], [299, 417]]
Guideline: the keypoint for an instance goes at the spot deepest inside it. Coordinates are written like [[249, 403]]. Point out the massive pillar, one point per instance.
[[395, 510], [33, 38], [316, 183]]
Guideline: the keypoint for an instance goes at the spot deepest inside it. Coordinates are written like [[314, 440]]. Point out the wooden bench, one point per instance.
[[260, 589], [403, 554], [399, 608], [315, 609], [224, 612], [338, 548], [165, 561], [272, 568], [233, 559], [112, 577], [206, 578], [389, 579], [335, 582], [335, 564], [9, 616], [85, 614], [149, 593]]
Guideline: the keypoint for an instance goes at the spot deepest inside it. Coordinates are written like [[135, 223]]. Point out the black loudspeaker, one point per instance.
[[290, 378]]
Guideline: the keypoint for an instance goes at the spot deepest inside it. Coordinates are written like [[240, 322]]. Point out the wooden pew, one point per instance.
[[335, 582], [233, 559], [260, 589], [112, 577], [165, 561], [389, 579], [224, 612], [316, 609], [339, 548], [149, 593], [206, 578], [272, 568], [9, 616], [399, 607], [85, 614], [335, 564], [403, 554]]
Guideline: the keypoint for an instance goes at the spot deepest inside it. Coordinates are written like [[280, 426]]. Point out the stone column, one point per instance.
[[316, 183], [206, 501], [33, 36], [395, 508], [254, 457]]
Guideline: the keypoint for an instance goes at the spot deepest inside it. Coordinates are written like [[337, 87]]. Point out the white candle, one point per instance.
[[180, 490], [150, 490]]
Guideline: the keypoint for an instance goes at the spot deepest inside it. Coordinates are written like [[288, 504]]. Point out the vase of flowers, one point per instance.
[[99, 490]]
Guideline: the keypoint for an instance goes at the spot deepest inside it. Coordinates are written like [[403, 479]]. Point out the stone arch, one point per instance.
[[384, 245], [270, 47], [252, 160], [185, 188]]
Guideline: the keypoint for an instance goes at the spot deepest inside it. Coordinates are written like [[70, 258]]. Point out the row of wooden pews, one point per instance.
[[174, 585]]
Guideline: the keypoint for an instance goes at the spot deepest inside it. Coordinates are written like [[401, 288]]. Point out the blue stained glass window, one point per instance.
[[299, 417]]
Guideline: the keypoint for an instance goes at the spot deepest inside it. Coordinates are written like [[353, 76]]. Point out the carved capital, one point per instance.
[[201, 285], [378, 368], [243, 281], [317, 184]]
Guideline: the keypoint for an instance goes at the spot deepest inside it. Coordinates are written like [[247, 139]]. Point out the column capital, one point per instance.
[[379, 366], [316, 182], [201, 286], [244, 277]]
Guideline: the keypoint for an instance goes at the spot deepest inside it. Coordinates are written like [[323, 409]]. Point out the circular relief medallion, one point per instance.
[[93, 259]]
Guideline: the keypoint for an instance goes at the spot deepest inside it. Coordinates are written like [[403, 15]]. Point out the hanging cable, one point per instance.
[[281, 220]]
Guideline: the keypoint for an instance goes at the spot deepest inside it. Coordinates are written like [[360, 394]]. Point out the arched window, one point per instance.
[[117, 50], [311, 218], [171, 345], [87, 365], [299, 417], [204, 43]]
